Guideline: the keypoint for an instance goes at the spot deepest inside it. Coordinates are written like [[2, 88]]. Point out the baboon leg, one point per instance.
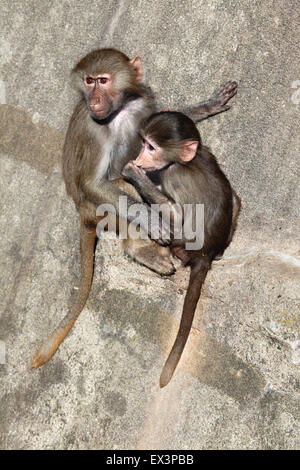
[[150, 254], [144, 251]]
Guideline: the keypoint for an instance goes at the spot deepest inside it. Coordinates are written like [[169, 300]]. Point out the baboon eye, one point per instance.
[[150, 147], [103, 80], [89, 80]]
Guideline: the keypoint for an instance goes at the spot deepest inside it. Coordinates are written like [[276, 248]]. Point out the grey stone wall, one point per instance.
[[237, 385]]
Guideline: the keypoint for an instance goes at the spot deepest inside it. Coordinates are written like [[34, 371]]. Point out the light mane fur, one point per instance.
[[121, 130]]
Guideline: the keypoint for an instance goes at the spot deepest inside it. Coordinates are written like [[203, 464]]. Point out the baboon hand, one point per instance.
[[223, 94], [131, 170]]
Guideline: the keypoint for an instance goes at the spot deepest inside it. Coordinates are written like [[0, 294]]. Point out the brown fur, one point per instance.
[[198, 181], [94, 154]]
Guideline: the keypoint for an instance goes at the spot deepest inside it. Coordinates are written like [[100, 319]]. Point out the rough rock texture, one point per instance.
[[237, 385]]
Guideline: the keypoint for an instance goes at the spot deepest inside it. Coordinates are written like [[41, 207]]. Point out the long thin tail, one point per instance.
[[87, 248], [197, 277]]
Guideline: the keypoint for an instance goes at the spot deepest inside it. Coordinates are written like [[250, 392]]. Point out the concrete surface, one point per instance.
[[237, 385]]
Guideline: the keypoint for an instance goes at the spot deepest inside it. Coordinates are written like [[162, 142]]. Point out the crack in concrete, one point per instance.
[[254, 253]]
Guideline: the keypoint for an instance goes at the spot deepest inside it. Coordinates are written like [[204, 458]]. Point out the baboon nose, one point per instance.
[[94, 102], [96, 105]]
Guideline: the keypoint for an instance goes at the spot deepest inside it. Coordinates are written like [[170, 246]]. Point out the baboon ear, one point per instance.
[[188, 150], [136, 64]]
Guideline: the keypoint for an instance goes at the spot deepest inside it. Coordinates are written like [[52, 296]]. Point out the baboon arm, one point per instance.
[[214, 105], [104, 191], [152, 195], [145, 187]]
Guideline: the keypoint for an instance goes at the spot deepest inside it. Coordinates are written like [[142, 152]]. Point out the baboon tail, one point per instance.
[[197, 277], [87, 248]]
